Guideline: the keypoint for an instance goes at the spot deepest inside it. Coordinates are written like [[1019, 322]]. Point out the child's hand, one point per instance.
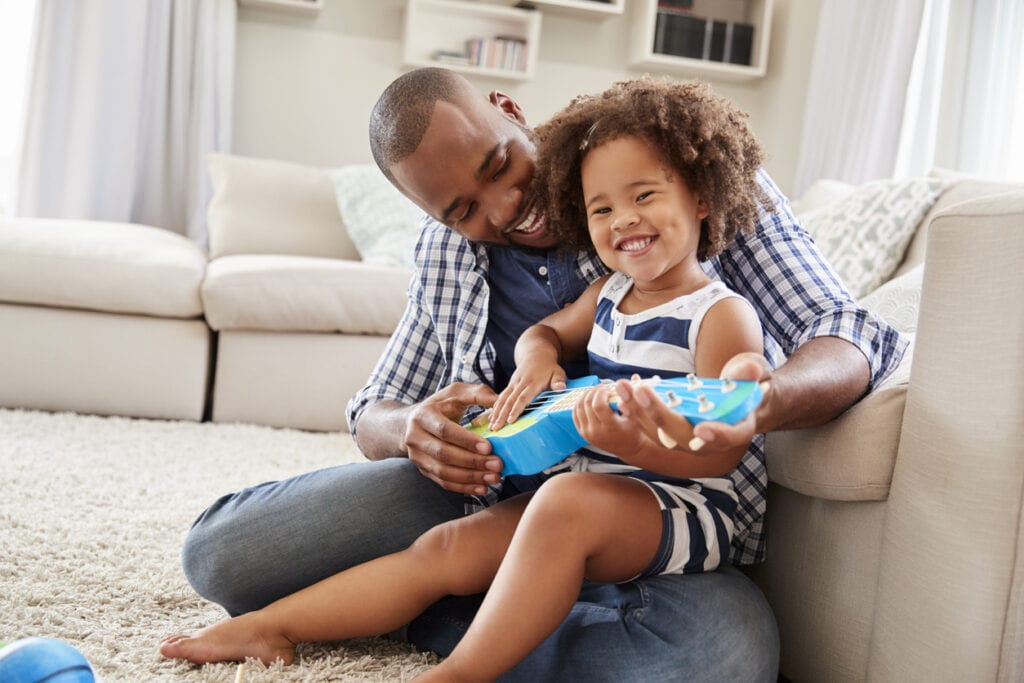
[[526, 382], [603, 428], [640, 404]]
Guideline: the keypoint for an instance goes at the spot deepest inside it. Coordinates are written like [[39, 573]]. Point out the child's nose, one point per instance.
[[625, 219]]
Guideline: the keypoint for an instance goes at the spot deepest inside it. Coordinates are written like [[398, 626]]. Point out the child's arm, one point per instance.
[[729, 327], [561, 336]]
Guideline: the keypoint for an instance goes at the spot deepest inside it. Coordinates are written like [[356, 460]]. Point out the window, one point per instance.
[[15, 36]]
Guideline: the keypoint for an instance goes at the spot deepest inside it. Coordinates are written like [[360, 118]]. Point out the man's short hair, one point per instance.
[[402, 113]]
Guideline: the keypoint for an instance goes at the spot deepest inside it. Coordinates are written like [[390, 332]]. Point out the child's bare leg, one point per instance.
[[602, 527], [457, 558]]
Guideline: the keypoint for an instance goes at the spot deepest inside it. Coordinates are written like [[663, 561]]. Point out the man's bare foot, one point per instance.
[[231, 640]]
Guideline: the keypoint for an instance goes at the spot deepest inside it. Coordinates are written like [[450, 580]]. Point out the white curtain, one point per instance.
[[966, 100], [127, 98], [863, 56]]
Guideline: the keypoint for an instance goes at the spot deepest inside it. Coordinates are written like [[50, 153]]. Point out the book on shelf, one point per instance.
[[507, 53], [683, 34]]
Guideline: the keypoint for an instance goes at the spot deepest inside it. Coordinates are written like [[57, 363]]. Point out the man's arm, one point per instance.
[[835, 351], [398, 412], [816, 384]]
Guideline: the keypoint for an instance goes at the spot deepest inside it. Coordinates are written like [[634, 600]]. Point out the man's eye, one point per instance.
[[470, 208], [505, 163]]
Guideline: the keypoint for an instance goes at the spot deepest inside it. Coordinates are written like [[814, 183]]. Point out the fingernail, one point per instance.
[[492, 478], [494, 464], [696, 443], [483, 448], [642, 399]]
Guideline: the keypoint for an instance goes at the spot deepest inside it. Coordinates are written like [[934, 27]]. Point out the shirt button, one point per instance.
[[543, 270], [467, 358]]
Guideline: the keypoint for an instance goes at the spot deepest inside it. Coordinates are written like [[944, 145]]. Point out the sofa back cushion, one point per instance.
[[261, 206]]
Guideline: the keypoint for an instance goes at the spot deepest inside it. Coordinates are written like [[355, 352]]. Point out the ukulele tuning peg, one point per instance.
[[672, 400], [704, 405], [727, 385], [693, 382]]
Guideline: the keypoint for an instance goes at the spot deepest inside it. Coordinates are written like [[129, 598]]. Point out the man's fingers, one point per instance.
[[747, 366]]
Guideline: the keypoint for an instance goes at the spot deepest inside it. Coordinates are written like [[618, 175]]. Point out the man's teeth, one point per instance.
[[635, 245], [530, 224]]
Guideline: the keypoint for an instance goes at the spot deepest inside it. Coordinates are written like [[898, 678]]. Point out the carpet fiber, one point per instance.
[[93, 512]]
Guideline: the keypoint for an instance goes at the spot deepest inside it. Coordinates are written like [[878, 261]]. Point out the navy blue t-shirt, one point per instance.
[[525, 287]]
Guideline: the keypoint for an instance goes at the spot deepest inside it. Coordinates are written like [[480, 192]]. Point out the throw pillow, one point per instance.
[[381, 221], [865, 234], [898, 300]]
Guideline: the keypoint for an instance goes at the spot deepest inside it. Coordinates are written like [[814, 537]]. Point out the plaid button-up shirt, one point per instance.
[[441, 337]]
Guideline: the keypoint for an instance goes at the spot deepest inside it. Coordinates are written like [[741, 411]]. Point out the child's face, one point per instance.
[[643, 219]]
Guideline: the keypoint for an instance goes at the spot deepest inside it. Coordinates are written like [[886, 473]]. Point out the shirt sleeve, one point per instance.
[[798, 295], [411, 366]]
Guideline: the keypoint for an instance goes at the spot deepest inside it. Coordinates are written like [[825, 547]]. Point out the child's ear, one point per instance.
[[702, 209]]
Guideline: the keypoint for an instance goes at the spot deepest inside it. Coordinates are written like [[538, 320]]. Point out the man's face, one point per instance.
[[472, 172]]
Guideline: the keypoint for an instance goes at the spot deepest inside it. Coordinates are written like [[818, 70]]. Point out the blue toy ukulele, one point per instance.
[[544, 434]]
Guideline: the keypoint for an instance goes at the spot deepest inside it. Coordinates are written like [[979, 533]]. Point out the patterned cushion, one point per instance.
[[381, 221], [865, 234], [898, 300]]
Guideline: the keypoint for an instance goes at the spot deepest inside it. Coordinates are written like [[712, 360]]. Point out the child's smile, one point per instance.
[[643, 219]]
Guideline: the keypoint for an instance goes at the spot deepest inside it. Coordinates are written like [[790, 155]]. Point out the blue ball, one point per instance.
[[35, 660]]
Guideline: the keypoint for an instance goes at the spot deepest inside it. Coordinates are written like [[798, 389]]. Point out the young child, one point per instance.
[[663, 175]]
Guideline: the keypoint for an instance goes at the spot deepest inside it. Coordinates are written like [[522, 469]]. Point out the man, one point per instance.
[[486, 269]]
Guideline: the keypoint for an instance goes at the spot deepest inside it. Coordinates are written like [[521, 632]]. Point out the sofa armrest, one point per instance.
[[949, 604]]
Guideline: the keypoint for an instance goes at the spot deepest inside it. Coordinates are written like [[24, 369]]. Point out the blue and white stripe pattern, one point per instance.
[[698, 515], [658, 341], [777, 267]]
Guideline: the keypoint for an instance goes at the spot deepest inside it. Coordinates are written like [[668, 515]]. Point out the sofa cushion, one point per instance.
[[381, 221], [100, 266], [303, 294], [865, 234], [261, 206], [898, 300], [851, 457]]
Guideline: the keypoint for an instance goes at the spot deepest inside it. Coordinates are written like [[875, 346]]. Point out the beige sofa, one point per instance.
[[896, 550], [896, 532]]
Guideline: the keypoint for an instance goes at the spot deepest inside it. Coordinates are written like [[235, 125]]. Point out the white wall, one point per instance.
[[304, 87]]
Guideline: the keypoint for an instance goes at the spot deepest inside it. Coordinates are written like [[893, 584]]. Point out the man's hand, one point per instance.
[[662, 424], [443, 450], [719, 435]]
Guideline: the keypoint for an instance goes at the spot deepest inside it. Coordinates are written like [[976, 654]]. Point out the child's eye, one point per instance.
[[643, 195], [601, 210]]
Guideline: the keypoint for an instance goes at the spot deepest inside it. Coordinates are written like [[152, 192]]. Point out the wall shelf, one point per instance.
[[440, 33], [584, 8], [701, 41], [304, 7]]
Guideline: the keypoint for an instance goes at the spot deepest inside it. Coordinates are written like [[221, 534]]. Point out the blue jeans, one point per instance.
[[260, 544]]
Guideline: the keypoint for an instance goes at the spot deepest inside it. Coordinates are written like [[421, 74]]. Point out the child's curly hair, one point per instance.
[[699, 134]]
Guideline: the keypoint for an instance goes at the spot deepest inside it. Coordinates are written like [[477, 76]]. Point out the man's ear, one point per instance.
[[507, 106]]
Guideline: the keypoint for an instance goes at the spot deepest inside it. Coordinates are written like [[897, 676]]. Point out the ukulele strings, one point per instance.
[[554, 396]]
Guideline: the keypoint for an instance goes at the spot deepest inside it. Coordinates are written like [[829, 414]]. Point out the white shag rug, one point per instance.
[[93, 511]]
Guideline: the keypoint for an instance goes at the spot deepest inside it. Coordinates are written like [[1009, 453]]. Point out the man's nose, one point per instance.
[[503, 206]]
